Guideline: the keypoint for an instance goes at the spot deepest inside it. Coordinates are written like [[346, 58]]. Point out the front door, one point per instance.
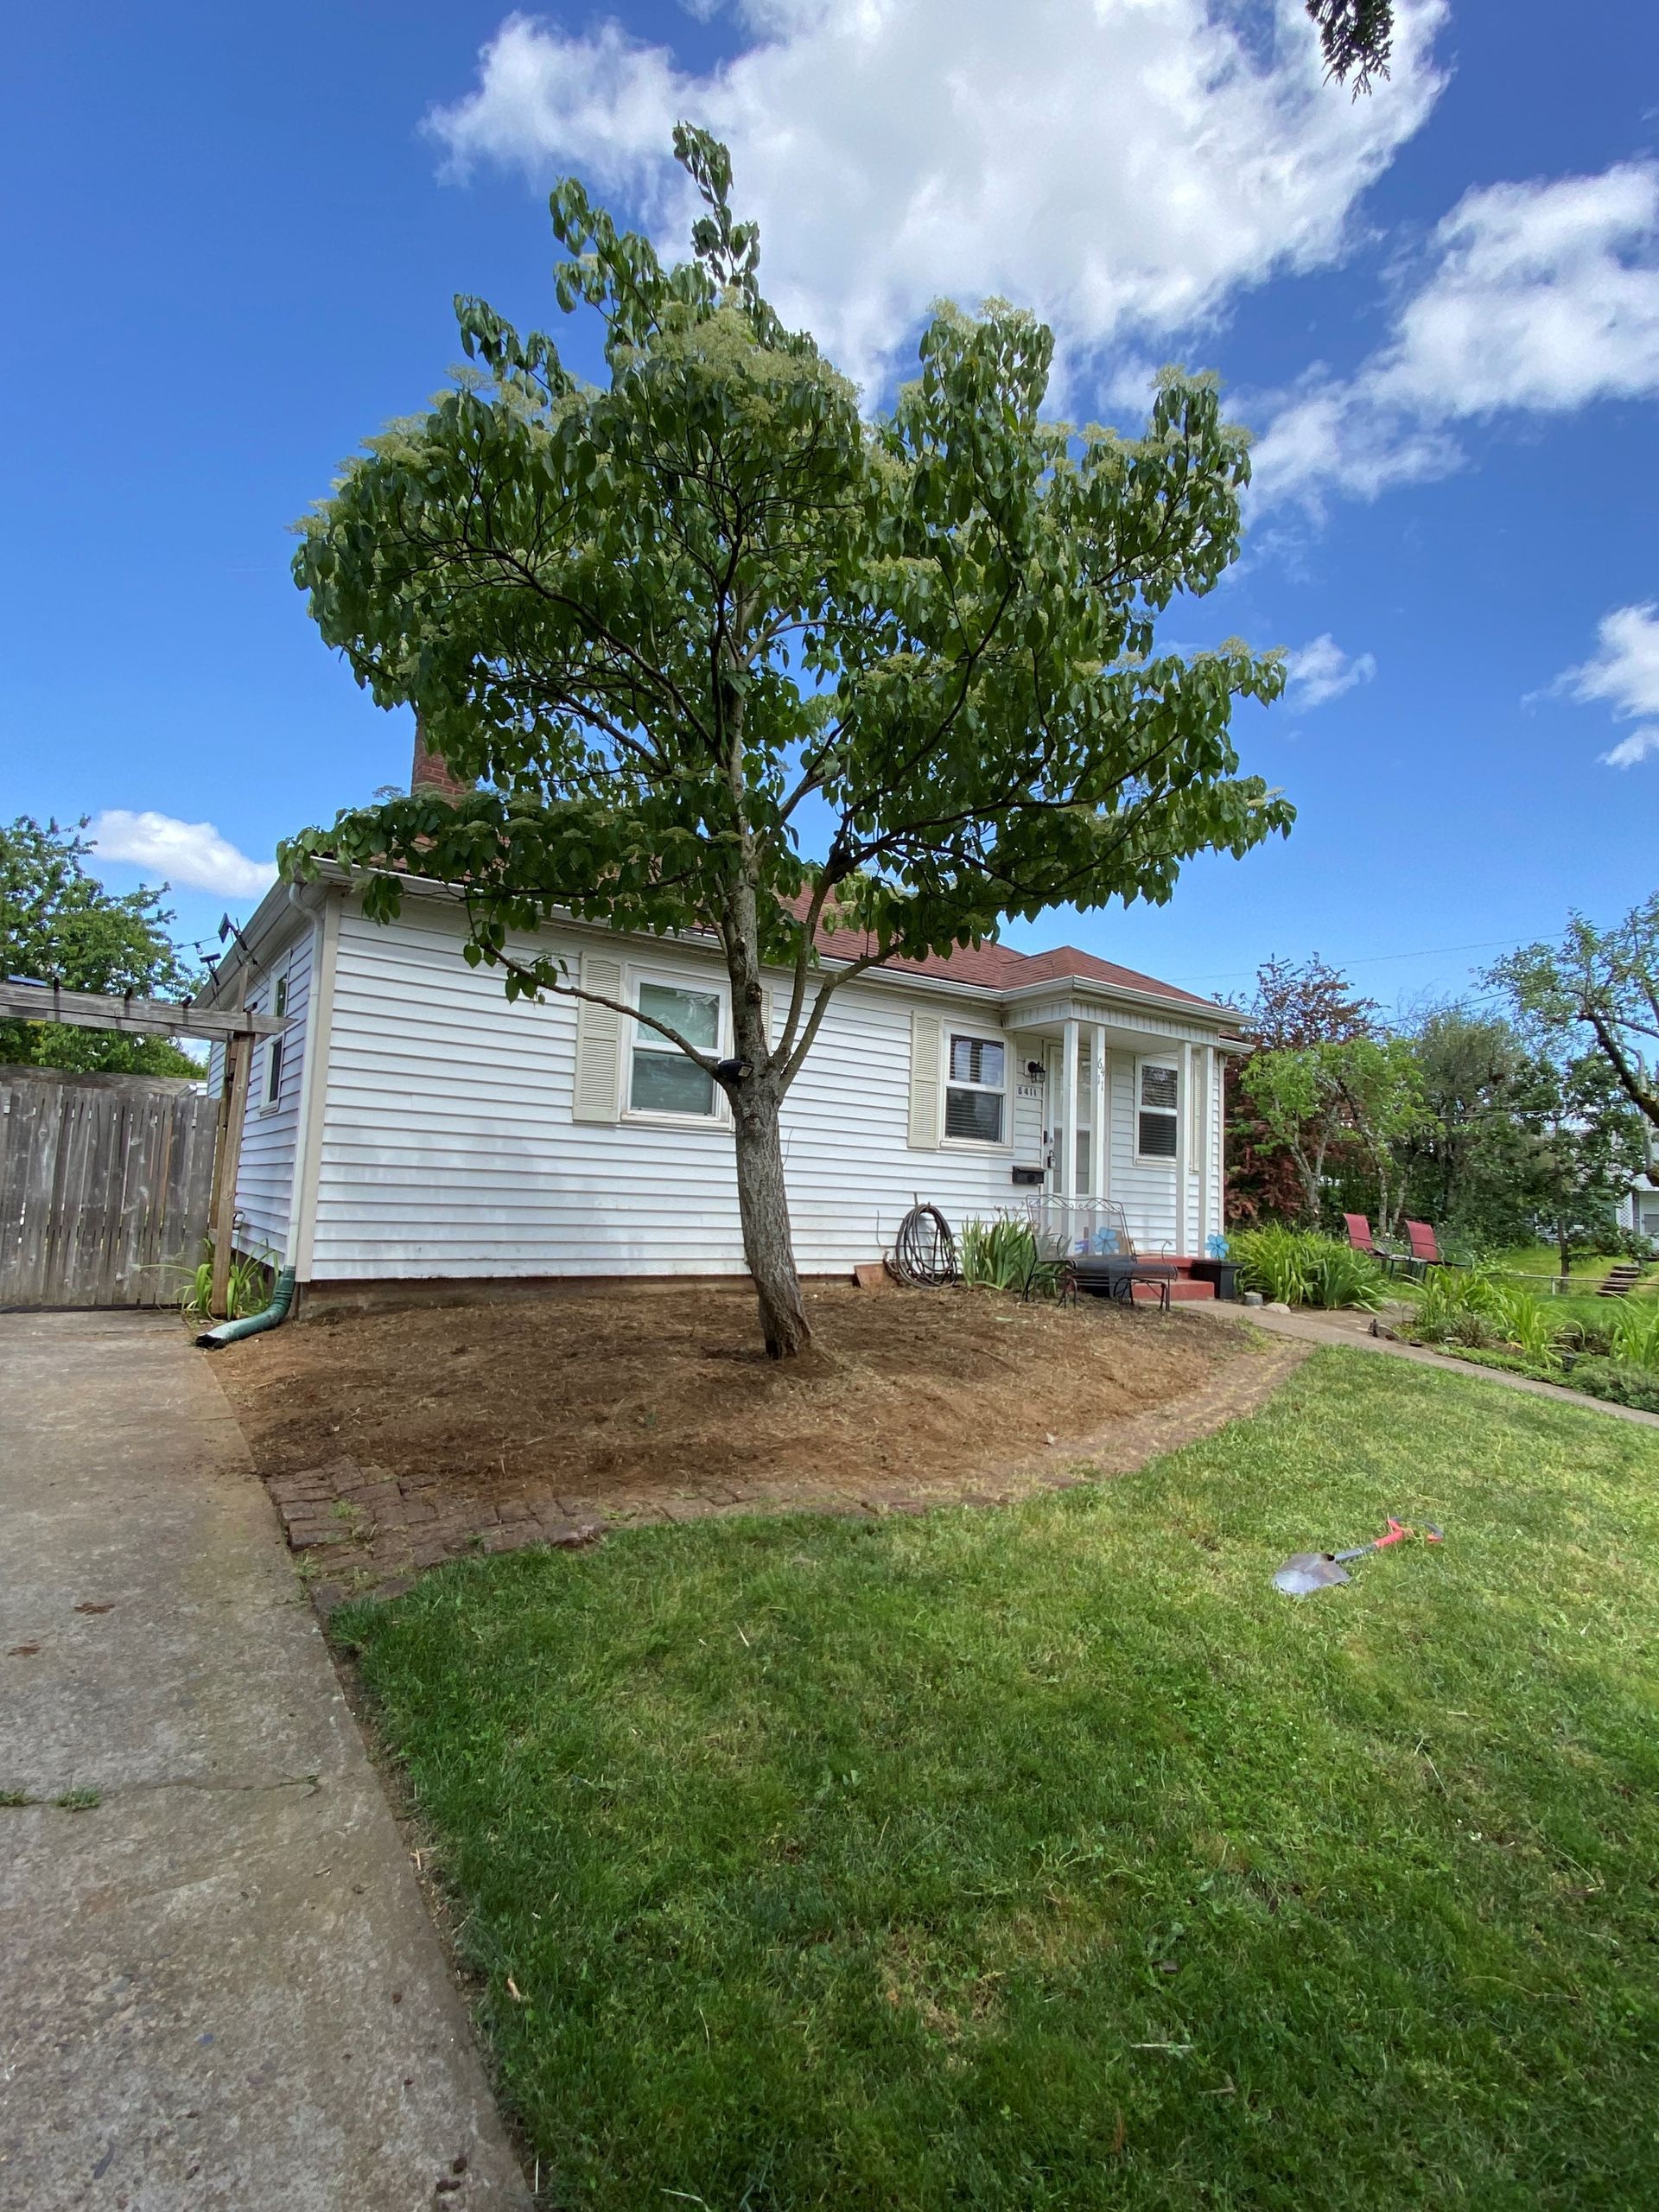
[[1082, 1114]]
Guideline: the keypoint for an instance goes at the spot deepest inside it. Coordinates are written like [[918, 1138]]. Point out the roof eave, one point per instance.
[[998, 993]]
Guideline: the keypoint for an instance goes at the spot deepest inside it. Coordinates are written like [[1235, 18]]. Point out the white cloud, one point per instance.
[[1122, 166], [1624, 675], [190, 853], [1640, 745], [1540, 297], [1321, 672]]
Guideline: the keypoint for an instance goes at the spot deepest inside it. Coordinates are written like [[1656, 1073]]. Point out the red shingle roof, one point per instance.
[[1000, 968]]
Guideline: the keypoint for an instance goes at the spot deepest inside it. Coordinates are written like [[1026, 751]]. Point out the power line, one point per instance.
[[1369, 960]]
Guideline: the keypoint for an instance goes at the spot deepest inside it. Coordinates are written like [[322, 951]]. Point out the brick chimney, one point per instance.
[[431, 772]]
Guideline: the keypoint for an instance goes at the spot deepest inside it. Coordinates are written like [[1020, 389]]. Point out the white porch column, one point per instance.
[[1066, 1122], [1202, 1076], [1099, 1103], [1184, 1153]]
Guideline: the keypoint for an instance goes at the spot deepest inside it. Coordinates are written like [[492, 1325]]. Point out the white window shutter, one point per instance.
[[926, 1039], [598, 1095], [765, 1013]]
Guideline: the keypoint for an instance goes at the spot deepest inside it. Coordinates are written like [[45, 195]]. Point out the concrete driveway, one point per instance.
[[219, 1983]]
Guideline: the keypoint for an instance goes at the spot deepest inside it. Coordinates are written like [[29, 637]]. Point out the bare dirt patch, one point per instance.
[[392, 1439]]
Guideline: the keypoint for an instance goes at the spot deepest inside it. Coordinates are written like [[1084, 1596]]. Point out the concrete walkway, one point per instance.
[[1352, 1331], [219, 1986]]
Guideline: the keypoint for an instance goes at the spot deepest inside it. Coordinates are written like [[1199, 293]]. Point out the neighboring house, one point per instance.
[[1638, 1211], [410, 1123]]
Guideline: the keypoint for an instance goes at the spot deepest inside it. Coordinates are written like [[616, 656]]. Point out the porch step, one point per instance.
[[1183, 1291]]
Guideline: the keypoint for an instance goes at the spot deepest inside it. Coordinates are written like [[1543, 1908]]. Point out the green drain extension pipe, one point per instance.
[[268, 1317]]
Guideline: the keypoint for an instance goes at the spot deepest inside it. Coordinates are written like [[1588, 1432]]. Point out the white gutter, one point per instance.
[[277, 904]]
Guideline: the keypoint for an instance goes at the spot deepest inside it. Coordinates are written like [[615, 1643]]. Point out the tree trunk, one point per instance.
[[763, 1205]]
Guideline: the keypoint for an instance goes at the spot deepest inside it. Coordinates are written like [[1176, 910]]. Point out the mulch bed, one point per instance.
[[393, 1440]]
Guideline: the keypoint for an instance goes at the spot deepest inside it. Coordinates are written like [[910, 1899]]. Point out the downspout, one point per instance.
[[250, 1325]]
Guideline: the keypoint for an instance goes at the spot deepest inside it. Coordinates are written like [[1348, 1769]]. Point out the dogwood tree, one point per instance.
[[730, 657], [1596, 989]]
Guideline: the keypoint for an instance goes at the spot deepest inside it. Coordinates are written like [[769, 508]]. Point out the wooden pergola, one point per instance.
[[234, 1028]]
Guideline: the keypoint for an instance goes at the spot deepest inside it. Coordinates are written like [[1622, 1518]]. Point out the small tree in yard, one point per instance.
[[733, 659], [1296, 1005], [1601, 988], [1589, 1143], [1365, 1090]]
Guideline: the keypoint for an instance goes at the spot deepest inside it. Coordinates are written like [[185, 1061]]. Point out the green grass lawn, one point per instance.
[[1541, 1265], [1048, 1858]]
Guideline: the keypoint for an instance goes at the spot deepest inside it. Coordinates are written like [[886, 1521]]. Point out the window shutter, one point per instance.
[[765, 1014], [598, 1094], [925, 1038]]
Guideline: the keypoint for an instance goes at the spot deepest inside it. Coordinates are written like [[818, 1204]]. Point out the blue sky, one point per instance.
[[235, 235]]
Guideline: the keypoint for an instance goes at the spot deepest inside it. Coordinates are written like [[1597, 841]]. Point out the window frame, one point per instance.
[[1170, 1160], [637, 1037], [270, 1074], [971, 1034]]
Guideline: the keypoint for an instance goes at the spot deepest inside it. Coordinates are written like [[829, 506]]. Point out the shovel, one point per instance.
[[1304, 1571]]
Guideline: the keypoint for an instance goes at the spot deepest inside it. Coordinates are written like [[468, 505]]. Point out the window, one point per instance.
[[973, 1104], [662, 1080], [279, 997], [1155, 1128], [272, 1093]]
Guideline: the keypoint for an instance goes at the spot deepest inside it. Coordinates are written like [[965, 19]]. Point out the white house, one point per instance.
[[1638, 1211], [409, 1123]]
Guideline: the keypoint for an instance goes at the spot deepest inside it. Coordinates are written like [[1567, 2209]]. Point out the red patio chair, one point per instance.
[[1424, 1252], [1359, 1235]]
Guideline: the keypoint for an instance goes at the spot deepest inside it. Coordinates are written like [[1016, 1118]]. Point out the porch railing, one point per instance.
[[1084, 1227]]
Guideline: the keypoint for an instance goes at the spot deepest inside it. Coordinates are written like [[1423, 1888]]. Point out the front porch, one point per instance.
[[1110, 1115]]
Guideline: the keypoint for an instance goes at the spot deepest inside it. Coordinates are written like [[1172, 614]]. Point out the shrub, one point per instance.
[[1527, 1323], [997, 1255], [1457, 1306], [1625, 1386], [1633, 1332], [1344, 1277], [1275, 1261], [1472, 1307], [249, 1288], [1298, 1267]]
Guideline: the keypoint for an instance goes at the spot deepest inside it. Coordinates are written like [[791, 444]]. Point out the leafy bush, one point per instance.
[[248, 1291], [1527, 1323], [1633, 1332], [997, 1255], [1276, 1262], [1625, 1386], [1459, 1306], [1298, 1267], [1472, 1307]]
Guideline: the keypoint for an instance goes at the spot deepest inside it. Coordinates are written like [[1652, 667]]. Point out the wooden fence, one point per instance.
[[104, 1187]]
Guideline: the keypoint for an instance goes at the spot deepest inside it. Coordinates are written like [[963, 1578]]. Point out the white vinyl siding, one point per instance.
[[449, 1147], [453, 1145], [1145, 1189], [264, 1175]]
